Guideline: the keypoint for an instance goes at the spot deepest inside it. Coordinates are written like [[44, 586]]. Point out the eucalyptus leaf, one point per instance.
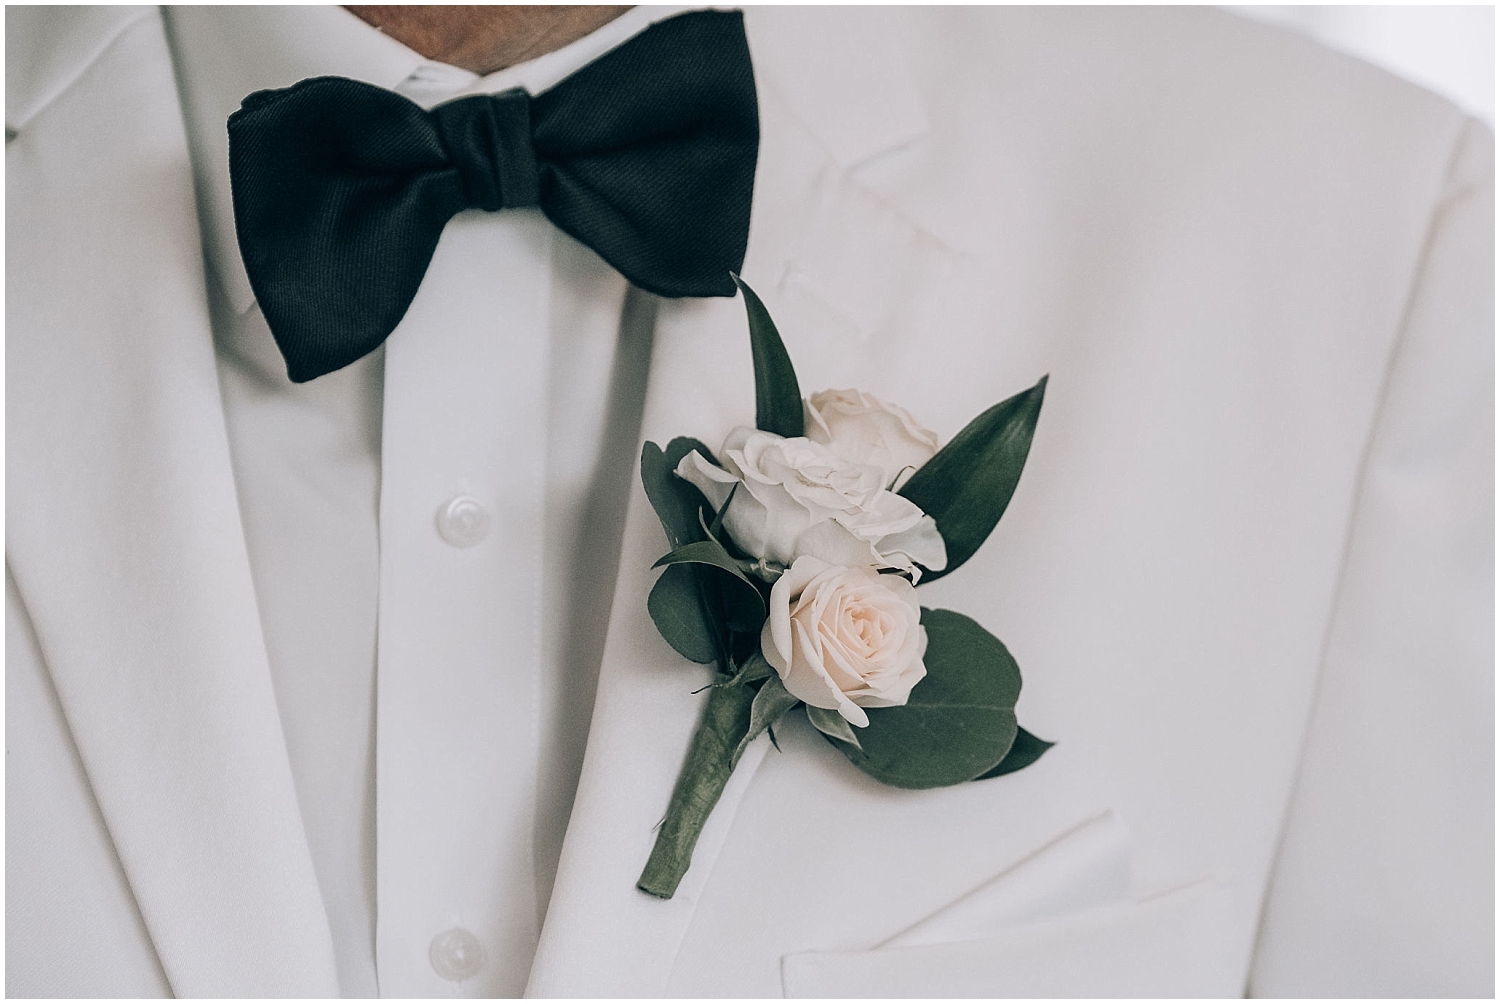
[[833, 725], [960, 720], [741, 606], [778, 400], [771, 702], [677, 502], [755, 667], [705, 552], [741, 609], [967, 486], [676, 607], [737, 608], [1026, 750]]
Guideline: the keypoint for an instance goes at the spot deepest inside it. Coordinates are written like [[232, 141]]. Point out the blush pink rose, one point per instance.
[[845, 638]]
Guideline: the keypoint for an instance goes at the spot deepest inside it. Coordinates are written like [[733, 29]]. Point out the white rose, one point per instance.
[[797, 497], [845, 638], [867, 430]]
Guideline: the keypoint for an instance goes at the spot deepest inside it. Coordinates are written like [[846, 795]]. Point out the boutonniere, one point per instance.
[[796, 555]]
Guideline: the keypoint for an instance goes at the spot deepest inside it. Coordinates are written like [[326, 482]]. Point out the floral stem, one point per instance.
[[711, 759]]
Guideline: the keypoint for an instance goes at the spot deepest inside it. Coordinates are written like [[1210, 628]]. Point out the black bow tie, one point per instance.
[[341, 189]]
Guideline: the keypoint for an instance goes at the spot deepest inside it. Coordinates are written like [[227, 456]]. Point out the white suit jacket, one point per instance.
[[1247, 574]]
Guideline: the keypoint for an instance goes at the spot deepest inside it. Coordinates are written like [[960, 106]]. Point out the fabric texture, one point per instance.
[[1208, 232], [342, 189], [516, 344], [1421, 551]]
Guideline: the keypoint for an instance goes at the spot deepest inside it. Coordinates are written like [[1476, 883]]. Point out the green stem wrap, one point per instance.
[[711, 759]]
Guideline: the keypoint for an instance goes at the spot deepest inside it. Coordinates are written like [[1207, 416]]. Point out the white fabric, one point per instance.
[[1087, 867], [496, 386], [172, 704], [1246, 263], [1392, 768], [1162, 948]]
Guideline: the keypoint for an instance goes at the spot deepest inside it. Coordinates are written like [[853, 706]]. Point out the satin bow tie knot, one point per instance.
[[489, 141], [342, 189]]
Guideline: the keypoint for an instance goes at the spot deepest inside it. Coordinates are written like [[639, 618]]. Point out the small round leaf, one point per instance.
[[961, 719]]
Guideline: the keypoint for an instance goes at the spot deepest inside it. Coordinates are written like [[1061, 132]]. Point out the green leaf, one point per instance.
[[678, 610], [771, 702], [677, 502], [705, 552], [752, 669], [684, 602], [717, 527], [778, 401], [833, 725], [1026, 750], [743, 606], [966, 487], [960, 721], [712, 531]]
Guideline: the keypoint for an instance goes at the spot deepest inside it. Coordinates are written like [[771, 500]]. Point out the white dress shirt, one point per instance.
[[433, 531]]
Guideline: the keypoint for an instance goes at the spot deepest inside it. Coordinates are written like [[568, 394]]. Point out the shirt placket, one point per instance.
[[461, 533]]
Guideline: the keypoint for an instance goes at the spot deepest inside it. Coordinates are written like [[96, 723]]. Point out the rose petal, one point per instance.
[[845, 637], [714, 482], [867, 430], [922, 545]]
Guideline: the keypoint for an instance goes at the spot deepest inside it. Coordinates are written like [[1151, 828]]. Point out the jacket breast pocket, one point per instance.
[[1174, 945], [1059, 923]]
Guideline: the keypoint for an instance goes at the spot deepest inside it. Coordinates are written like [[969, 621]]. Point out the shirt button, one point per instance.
[[463, 522], [456, 955]]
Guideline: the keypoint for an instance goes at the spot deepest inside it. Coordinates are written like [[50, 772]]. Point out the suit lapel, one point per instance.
[[124, 534], [824, 252]]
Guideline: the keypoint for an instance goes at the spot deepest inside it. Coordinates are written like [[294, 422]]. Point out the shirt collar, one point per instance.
[[223, 53]]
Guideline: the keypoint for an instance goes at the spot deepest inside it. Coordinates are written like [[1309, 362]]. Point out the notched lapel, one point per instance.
[[124, 532], [829, 239], [602, 936], [829, 258], [48, 48]]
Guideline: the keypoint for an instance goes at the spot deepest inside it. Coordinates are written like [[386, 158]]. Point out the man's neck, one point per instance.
[[484, 39]]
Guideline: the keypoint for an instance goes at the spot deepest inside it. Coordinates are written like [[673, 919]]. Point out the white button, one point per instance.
[[456, 955], [463, 522]]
